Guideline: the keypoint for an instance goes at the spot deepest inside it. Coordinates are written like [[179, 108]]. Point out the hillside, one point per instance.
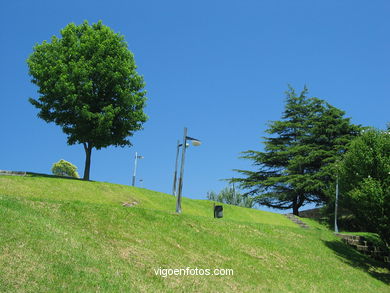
[[70, 235]]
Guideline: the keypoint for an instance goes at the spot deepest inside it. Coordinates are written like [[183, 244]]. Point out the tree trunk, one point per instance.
[[88, 152], [295, 210], [297, 203], [295, 206]]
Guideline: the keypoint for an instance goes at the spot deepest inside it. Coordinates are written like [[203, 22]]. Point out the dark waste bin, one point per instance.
[[218, 211]]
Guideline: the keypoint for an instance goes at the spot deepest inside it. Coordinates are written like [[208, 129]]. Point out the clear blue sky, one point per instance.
[[219, 68]]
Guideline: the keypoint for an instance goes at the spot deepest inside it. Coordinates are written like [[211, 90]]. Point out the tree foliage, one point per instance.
[[295, 167], [229, 195], [89, 86], [64, 168], [365, 181]]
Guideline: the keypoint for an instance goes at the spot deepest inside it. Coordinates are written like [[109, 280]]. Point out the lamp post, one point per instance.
[[336, 228], [135, 166], [339, 161], [175, 173], [195, 142]]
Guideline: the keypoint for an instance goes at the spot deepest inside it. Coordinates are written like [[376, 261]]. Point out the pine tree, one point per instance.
[[295, 167]]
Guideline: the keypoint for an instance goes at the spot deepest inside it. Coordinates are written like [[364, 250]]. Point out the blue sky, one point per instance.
[[219, 68]]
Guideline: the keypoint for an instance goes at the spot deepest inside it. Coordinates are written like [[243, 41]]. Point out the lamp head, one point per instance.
[[196, 142]]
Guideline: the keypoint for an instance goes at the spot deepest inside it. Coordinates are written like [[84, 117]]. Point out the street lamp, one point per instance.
[[195, 142], [175, 173], [336, 228], [135, 166]]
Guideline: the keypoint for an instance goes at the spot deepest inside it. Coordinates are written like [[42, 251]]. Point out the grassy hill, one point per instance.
[[69, 235]]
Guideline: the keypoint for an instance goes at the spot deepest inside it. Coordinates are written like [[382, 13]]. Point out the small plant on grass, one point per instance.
[[64, 168]]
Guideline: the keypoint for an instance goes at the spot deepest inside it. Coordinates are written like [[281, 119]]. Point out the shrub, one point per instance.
[[65, 168]]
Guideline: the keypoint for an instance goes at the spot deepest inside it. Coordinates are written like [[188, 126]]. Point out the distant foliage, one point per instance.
[[229, 195], [365, 181], [65, 168]]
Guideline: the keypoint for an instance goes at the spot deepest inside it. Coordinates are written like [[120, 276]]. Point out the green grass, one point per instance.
[[74, 236], [44, 188]]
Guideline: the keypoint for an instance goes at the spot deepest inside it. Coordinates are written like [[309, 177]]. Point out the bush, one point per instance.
[[64, 168]]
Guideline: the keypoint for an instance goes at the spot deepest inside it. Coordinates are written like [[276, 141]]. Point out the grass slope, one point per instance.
[[75, 236], [43, 188]]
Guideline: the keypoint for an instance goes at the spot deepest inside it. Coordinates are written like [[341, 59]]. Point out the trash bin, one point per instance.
[[218, 211]]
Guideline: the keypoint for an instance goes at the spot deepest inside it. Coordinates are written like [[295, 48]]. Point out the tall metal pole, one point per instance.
[[135, 168], [175, 174], [183, 154], [336, 228]]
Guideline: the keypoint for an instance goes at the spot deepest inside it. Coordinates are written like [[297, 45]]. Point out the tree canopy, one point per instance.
[[295, 167], [88, 85], [365, 181]]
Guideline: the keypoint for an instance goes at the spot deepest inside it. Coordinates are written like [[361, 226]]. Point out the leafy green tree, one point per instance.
[[295, 167], [64, 168], [229, 195], [89, 86], [365, 181]]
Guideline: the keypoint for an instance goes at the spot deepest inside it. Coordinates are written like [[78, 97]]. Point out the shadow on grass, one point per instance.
[[33, 174], [376, 269]]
